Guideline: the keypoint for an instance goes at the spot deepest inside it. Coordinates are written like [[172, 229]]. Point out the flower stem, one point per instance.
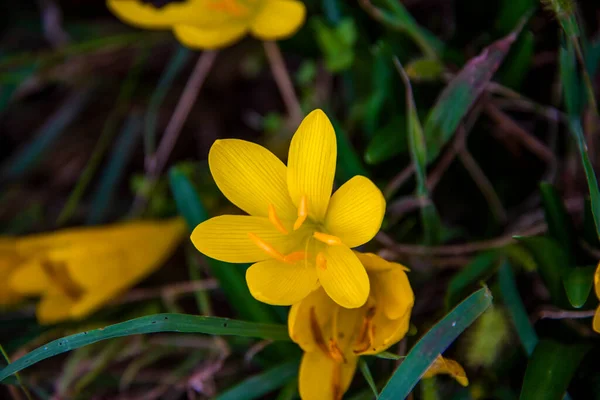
[[284, 82]]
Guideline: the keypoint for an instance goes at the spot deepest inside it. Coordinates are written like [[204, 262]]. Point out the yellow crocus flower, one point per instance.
[[212, 24], [333, 337], [298, 235], [9, 261], [447, 366], [596, 321], [76, 271]]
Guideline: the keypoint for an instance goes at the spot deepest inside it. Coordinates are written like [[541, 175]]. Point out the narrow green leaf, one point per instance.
[[366, 372], [475, 271], [457, 98], [114, 170], [560, 226], [552, 262], [258, 386], [149, 324], [27, 157], [520, 56], [514, 304], [418, 151], [578, 284], [381, 89], [434, 343], [550, 369], [510, 13], [230, 276]]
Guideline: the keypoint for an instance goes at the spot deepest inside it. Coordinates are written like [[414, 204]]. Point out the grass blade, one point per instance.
[[366, 372], [149, 324], [457, 98], [433, 343], [476, 270], [258, 386], [550, 370], [514, 304]]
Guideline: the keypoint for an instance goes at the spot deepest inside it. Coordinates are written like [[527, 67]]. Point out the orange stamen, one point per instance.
[[335, 352], [302, 212], [327, 239], [366, 333], [267, 248], [274, 219], [295, 256], [321, 261], [316, 331]]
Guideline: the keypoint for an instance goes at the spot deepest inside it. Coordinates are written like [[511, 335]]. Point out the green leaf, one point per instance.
[[425, 69], [553, 264], [475, 271], [337, 44], [514, 304], [380, 90], [258, 386], [550, 369], [348, 162], [457, 98], [149, 324], [230, 277], [434, 343], [388, 141], [510, 13], [560, 226], [520, 56], [366, 372], [578, 284]]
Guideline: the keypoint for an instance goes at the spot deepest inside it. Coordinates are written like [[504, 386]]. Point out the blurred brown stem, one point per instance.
[[284, 82]]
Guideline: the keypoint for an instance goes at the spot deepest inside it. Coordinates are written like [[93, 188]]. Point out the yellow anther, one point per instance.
[[327, 239], [267, 248], [295, 256], [275, 220], [321, 261], [302, 212]]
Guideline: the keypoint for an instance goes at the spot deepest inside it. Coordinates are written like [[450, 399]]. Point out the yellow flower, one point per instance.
[[212, 24], [447, 366], [596, 322], [298, 235], [76, 271], [333, 337], [9, 261]]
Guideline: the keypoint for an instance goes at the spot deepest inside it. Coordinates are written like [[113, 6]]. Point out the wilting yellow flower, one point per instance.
[[76, 271], [447, 366], [211, 24], [298, 235], [333, 337], [596, 322]]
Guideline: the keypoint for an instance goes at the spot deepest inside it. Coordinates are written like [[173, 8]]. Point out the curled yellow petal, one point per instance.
[[447, 366]]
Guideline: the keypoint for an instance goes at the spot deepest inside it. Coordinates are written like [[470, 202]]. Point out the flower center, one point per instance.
[[236, 8], [318, 256]]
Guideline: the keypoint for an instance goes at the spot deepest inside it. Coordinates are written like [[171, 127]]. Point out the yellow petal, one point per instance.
[[344, 278], [226, 238], [54, 307], [373, 263], [355, 211], [393, 291], [278, 283], [596, 321], [29, 280], [443, 365], [299, 318], [322, 378], [597, 281], [386, 332], [196, 37], [145, 15], [278, 19], [311, 163], [252, 178]]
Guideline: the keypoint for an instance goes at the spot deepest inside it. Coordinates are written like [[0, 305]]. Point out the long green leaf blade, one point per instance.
[[149, 324], [434, 343]]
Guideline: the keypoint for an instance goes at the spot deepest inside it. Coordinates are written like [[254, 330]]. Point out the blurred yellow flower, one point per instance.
[[298, 235], [9, 261], [333, 337], [596, 322], [447, 366], [76, 271], [212, 24]]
